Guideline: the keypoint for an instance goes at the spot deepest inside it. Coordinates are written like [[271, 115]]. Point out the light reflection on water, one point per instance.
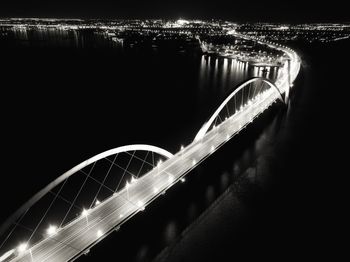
[[170, 232], [55, 37], [210, 194], [218, 76]]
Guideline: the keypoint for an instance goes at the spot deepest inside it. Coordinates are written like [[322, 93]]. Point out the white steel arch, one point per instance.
[[207, 124], [34, 199]]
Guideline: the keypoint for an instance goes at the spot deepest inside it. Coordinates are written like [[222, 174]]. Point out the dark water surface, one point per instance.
[[63, 104], [291, 208]]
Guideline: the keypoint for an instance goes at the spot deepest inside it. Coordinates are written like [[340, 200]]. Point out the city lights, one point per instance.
[[182, 22]]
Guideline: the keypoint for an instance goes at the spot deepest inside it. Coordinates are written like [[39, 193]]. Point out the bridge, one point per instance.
[[114, 201]]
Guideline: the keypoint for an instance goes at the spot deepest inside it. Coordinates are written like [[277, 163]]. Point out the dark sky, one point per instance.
[[243, 10]]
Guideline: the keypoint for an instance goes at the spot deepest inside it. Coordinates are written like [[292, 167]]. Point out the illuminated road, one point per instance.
[[80, 235]]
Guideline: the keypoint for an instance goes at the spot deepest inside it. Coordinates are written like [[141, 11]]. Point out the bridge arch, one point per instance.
[[211, 120], [34, 199]]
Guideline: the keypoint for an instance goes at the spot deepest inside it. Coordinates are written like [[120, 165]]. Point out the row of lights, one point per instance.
[[53, 229]]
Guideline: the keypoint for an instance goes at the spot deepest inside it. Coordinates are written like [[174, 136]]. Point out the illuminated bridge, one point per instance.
[[115, 185]]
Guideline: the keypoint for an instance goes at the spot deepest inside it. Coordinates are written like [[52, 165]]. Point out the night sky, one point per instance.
[[240, 11]]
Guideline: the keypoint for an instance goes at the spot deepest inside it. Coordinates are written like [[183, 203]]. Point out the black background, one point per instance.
[[242, 11]]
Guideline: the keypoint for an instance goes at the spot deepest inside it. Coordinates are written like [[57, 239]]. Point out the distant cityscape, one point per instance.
[[322, 32], [214, 37]]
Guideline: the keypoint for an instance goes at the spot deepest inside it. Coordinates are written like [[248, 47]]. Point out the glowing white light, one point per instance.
[[97, 202], [51, 230], [212, 148], [155, 190], [22, 247], [99, 233], [127, 185], [140, 204], [171, 179], [194, 162], [85, 212], [121, 216], [183, 180], [133, 179], [159, 163], [182, 147]]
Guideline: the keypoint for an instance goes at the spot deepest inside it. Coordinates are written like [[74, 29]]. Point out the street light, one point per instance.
[[22, 247], [133, 179], [52, 229], [140, 204], [85, 214]]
